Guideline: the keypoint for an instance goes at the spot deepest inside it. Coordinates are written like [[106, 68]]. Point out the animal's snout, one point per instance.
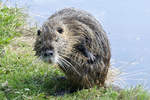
[[49, 53]]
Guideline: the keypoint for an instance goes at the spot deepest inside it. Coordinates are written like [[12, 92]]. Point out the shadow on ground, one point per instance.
[[51, 85]]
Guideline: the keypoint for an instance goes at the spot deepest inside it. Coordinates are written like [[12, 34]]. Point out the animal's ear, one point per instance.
[[82, 48], [38, 32]]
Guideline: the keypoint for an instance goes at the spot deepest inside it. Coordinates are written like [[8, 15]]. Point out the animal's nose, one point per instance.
[[49, 53]]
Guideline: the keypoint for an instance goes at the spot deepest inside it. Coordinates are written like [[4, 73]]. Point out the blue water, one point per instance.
[[127, 23]]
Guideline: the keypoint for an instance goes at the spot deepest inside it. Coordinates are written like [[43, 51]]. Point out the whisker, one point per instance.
[[60, 61], [64, 62], [69, 65]]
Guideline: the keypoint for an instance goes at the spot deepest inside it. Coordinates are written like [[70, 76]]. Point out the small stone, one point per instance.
[[5, 84]]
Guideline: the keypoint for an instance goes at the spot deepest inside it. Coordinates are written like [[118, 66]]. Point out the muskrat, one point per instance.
[[75, 41]]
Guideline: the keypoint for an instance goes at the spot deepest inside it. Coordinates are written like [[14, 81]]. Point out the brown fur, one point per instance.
[[79, 44]]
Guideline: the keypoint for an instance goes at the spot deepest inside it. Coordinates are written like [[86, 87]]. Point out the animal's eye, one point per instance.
[[38, 32], [60, 30]]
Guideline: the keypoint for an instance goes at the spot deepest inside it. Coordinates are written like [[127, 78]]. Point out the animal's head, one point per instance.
[[59, 38]]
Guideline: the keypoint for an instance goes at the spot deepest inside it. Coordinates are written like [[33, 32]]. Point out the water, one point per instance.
[[127, 23]]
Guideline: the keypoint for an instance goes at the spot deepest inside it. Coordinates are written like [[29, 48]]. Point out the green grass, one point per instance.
[[24, 77], [11, 20]]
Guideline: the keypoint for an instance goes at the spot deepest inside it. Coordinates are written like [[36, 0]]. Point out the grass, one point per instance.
[[24, 77], [11, 20]]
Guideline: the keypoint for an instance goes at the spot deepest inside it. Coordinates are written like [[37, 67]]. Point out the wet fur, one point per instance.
[[82, 50]]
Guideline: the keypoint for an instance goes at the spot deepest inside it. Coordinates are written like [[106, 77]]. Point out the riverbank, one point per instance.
[[24, 77]]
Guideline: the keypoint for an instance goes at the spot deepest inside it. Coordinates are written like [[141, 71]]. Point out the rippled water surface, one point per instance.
[[127, 23]]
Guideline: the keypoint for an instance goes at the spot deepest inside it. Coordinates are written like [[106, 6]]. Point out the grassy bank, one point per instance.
[[24, 77], [11, 22]]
